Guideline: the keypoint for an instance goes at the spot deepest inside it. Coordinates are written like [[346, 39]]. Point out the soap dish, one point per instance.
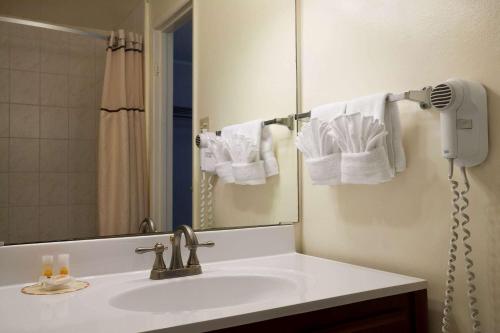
[[59, 284], [55, 282]]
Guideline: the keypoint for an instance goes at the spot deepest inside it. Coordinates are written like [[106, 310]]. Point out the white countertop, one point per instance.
[[319, 284]]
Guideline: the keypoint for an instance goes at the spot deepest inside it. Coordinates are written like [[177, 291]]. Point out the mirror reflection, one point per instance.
[[246, 75], [87, 149]]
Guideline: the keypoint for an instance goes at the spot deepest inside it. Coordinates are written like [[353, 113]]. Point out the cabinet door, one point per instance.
[[388, 323], [404, 313]]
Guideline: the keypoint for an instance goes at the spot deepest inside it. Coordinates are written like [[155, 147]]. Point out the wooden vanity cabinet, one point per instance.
[[403, 313]]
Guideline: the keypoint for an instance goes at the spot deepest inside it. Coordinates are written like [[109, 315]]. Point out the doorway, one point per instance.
[[182, 124]]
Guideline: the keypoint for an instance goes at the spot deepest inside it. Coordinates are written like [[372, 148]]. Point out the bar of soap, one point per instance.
[[55, 282]]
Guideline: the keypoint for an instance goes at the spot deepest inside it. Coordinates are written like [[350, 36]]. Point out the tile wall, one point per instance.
[[50, 87]]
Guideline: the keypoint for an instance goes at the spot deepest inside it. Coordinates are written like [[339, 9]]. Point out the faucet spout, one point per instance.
[[191, 243], [176, 261]]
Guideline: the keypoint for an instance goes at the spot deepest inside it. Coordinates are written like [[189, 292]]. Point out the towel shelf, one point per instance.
[[422, 97]]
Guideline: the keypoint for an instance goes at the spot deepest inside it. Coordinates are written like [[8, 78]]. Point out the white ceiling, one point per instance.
[[96, 14]]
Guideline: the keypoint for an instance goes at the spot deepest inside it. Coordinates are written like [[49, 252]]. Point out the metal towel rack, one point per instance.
[[422, 97], [288, 122]]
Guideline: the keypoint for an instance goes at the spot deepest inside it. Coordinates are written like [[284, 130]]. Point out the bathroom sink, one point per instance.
[[203, 292]]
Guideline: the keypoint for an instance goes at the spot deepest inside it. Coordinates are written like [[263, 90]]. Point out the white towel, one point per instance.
[[247, 167], [263, 139], [223, 167], [325, 170], [370, 167], [267, 153], [325, 165], [249, 173], [364, 159], [327, 112], [388, 114], [251, 129], [244, 145], [322, 154]]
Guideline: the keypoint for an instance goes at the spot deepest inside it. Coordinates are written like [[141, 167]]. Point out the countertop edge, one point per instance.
[[253, 317]]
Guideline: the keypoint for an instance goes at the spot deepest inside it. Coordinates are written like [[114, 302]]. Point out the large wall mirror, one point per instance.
[[246, 70], [79, 136]]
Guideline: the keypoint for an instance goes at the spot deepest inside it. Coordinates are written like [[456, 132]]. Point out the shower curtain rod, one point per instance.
[[52, 27]]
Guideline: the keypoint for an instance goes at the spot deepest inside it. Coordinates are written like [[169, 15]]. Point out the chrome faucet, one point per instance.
[[177, 268], [147, 226]]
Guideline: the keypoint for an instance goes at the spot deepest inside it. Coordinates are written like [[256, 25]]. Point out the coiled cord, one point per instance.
[[210, 201], [450, 280], [450, 277], [474, 312], [202, 201], [206, 201]]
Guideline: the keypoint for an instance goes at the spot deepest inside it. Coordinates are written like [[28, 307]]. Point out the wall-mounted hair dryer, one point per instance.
[[464, 140], [464, 121]]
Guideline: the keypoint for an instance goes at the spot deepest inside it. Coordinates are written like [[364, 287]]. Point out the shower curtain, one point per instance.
[[122, 180]]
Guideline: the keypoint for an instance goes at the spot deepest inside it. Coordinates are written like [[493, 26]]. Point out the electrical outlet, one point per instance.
[[204, 123]]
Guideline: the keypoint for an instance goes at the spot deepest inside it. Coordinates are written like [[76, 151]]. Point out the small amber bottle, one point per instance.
[[63, 264], [47, 266]]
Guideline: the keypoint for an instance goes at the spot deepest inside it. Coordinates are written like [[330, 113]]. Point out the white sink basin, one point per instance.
[[203, 292]]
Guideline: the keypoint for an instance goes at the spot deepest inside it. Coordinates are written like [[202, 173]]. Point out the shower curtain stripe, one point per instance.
[[122, 109], [112, 48]]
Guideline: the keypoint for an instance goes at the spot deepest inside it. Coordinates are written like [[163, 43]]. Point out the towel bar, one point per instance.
[[423, 97], [288, 122]]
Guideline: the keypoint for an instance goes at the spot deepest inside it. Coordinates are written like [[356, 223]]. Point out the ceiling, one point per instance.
[[96, 14]]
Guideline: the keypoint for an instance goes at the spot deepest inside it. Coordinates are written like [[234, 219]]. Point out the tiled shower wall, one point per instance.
[[50, 87]]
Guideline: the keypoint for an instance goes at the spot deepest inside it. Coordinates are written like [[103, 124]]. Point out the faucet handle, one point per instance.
[[193, 258], [159, 267], [197, 245], [158, 248]]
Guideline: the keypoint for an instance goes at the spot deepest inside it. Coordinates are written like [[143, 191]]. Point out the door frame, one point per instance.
[[161, 120]]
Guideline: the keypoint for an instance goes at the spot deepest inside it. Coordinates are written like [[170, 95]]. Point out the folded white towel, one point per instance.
[[247, 167], [223, 167], [267, 153], [370, 167], [251, 129], [249, 173], [324, 159], [241, 148], [327, 112], [364, 158], [322, 154], [249, 144], [388, 114], [325, 170], [224, 171]]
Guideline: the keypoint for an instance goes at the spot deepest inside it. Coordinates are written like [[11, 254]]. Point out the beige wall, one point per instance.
[[244, 69], [353, 48]]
